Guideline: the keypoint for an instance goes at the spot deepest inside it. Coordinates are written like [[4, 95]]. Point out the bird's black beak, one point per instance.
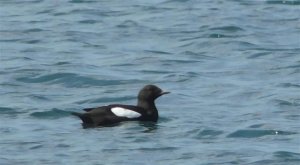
[[164, 92]]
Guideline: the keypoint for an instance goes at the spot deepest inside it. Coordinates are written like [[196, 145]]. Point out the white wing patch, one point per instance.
[[122, 112]]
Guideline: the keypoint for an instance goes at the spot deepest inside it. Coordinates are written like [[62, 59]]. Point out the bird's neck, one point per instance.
[[146, 104], [150, 107]]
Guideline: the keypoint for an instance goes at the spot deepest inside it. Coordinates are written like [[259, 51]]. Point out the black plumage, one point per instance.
[[145, 110]]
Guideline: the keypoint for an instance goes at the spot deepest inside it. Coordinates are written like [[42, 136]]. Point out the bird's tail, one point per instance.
[[84, 117]]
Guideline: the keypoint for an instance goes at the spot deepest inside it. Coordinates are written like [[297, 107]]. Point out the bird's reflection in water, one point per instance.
[[150, 126], [87, 126]]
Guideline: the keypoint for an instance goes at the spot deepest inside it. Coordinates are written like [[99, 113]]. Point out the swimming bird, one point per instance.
[[145, 110]]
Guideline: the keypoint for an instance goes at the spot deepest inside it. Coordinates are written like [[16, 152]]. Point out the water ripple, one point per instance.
[[260, 54], [71, 80], [287, 156], [33, 30], [106, 100], [257, 133], [51, 114], [228, 28], [287, 103], [289, 85], [10, 111], [128, 24], [208, 134], [88, 21], [283, 2], [82, 1]]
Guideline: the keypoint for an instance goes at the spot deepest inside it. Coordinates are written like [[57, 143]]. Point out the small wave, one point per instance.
[[26, 2], [260, 54], [82, 1], [10, 40], [62, 145], [256, 126], [164, 119], [157, 52], [88, 21], [32, 41], [287, 67], [257, 133], [106, 100], [175, 1], [46, 11], [208, 134], [181, 77], [189, 39], [5, 110], [181, 61], [7, 130], [71, 80], [287, 156], [200, 55], [156, 71], [149, 127], [52, 114], [46, 78], [283, 2], [266, 162], [145, 149], [279, 158], [62, 63], [39, 97], [228, 28], [289, 85], [33, 30], [218, 35], [31, 50], [224, 32], [245, 44], [128, 24], [286, 103], [60, 13], [9, 111], [36, 147]]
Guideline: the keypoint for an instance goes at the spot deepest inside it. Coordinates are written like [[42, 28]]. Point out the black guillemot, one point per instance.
[[145, 110]]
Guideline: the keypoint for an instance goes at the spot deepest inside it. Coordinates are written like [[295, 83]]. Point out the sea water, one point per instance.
[[233, 67]]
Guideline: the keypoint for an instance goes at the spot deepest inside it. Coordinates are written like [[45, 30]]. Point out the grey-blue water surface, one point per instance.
[[233, 67]]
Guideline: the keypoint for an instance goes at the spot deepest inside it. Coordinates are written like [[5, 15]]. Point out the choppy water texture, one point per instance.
[[233, 68]]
